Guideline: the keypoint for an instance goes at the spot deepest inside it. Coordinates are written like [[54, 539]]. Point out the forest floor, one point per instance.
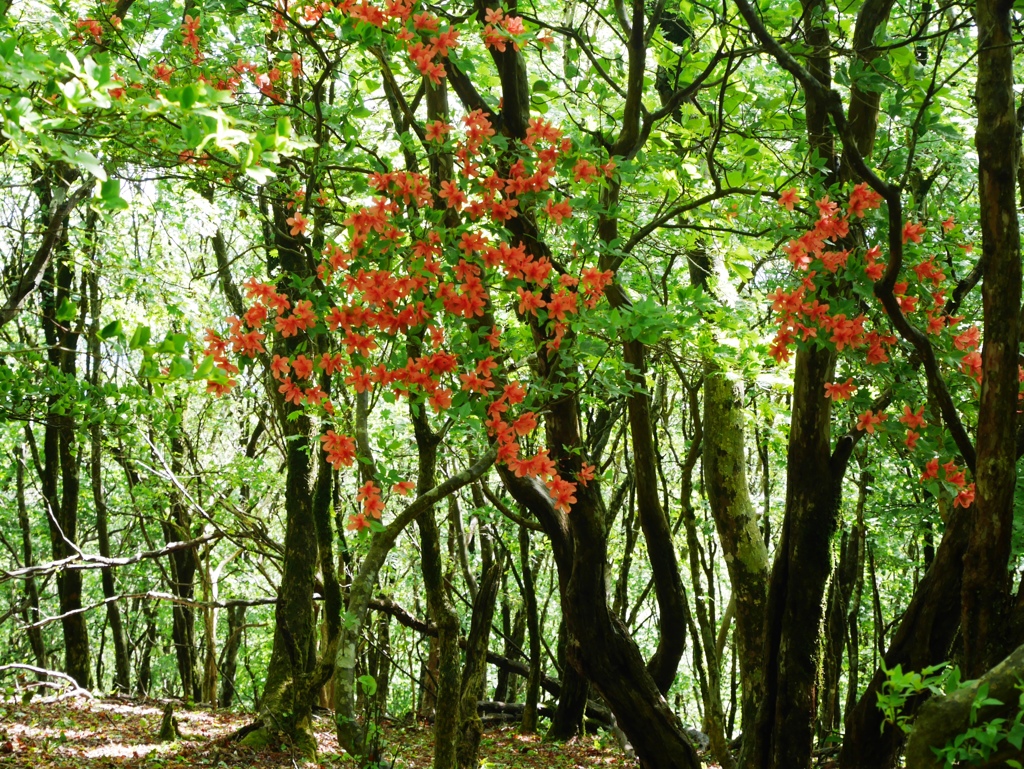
[[122, 734]]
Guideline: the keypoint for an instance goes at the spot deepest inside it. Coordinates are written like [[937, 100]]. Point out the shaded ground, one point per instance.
[[118, 734]]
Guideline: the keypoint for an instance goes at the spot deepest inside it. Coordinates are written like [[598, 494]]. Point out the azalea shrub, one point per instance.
[[832, 301], [424, 293]]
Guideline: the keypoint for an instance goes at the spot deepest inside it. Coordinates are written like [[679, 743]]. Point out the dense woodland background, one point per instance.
[[646, 363]]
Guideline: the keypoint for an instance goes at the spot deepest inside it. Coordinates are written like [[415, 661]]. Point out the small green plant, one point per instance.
[[980, 741], [899, 687]]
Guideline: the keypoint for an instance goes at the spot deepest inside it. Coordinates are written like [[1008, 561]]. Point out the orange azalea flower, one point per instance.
[[789, 198]]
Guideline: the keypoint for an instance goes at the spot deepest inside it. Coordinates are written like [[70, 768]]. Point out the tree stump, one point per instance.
[[169, 731]]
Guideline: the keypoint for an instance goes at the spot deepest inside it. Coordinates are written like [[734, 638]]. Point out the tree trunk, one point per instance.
[[986, 585], [177, 527], [746, 557], [285, 710], [661, 550], [785, 721], [447, 621], [837, 610], [941, 719], [286, 706], [149, 636], [121, 662], [600, 646], [573, 695], [60, 472]]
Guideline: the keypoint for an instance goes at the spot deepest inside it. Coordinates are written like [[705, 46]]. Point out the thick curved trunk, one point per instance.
[[600, 646]]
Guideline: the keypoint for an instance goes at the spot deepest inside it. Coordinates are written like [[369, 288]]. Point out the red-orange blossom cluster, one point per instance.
[[802, 316], [397, 272]]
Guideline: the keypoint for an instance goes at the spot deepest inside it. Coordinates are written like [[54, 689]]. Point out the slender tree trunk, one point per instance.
[[121, 662], [746, 556], [122, 665], [474, 674], [705, 652], [208, 689], [443, 614], [661, 551], [514, 630], [853, 617], [184, 563], [229, 656], [528, 725], [35, 634], [149, 637], [573, 694]]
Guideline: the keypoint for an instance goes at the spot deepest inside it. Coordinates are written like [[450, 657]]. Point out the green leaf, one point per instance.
[[205, 368], [110, 194], [189, 96], [140, 338], [260, 174], [111, 329], [180, 367], [368, 683], [67, 311], [90, 163]]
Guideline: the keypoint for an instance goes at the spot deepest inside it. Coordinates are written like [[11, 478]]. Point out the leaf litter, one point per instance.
[[51, 733]]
